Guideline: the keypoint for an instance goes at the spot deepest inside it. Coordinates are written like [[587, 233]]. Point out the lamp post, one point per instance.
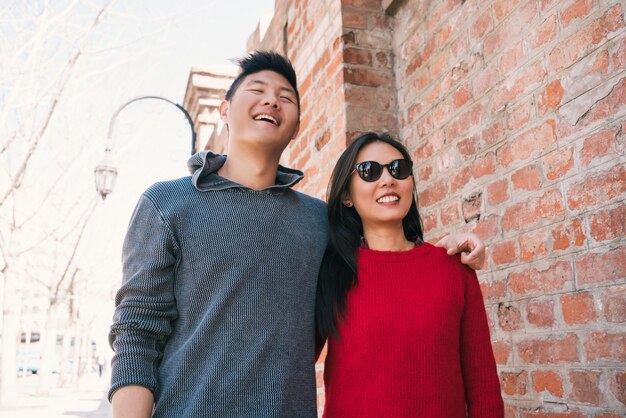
[[105, 173]]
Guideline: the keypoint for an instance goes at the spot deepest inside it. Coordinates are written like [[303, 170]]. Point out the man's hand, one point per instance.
[[132, 402], [469, 245]]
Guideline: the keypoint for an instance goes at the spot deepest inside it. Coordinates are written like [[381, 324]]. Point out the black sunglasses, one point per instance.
[[372, 170]]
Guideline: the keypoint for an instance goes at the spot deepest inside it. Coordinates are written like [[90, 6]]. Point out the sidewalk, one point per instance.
[[85, 400]]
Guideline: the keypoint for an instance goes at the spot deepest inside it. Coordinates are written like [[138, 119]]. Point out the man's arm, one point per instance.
[[469, 245], [132, 402], [145, 309]]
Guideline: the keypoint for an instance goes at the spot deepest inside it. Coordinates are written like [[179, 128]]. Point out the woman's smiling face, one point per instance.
[[385, 201]]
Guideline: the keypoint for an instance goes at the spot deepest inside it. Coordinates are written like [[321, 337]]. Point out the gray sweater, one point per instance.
[[216, 310]]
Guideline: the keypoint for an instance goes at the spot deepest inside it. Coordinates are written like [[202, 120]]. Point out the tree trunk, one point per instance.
[[10, 320]]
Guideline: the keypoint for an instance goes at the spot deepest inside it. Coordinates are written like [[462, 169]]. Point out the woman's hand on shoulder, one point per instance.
[[468, 244]]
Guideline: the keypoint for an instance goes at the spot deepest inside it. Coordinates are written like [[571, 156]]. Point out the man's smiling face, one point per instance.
[[263, 111]]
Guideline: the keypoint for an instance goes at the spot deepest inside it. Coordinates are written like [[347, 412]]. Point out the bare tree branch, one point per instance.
[[55, 295], [65, 76]]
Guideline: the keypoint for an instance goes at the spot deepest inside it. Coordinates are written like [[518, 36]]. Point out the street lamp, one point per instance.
[[105, 173]]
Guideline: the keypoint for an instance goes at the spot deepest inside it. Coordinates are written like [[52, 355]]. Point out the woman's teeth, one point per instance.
[[387, 199]]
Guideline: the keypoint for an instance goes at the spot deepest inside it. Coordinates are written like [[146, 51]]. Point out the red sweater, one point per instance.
[[415, 342]]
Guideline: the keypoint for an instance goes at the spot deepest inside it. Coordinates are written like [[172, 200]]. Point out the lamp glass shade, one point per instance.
[[105, 175]]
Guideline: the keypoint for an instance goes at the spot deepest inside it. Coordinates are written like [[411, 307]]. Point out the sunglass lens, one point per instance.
[[400, 169], [369, 170]]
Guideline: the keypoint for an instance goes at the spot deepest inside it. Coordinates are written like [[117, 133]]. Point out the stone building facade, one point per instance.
[[515, 112]]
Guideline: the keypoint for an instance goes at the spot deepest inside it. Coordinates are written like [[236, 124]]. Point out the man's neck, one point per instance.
[[255, 171]]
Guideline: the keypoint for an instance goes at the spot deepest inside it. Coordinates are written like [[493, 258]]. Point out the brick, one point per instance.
[[580, 43], [537, 281], [619, 56], [550, 98], [494, 133], [481, 25], [598, 145], [498, 192], [322, 140], [483, 166], [600, 345], [578, 308], [595, 268], [551, 414], [367, 96], [509, 317], [579, 9], [545, 32], [366, 77], [449, 213], [468, 146], [503, 252], [502, 8], [501, 352], [484, 80], [530, 79], [519, 115], [558, 163], [493, 289], [470, 207], [540, 313], [547, 380], [585, 386], [433, 194], [605, 107], [425, 172], [549, 351], [354, 19], [362, 4], [357, 56], [443, 35], [527, 143], [462, 124], [533, 245], [568, 234], [429, 220], [487, 228], [614, 304], [514, 383], [618, 386], [528, 213], [442, 112], [429, 147], [598, 188], [383, 60], [526, 178], [462, 95], [512, 58]]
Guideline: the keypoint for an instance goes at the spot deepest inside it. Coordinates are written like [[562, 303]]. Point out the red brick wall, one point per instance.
[[515, 112]]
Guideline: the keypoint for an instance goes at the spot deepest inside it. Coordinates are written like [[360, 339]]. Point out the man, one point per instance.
[[215, 314]]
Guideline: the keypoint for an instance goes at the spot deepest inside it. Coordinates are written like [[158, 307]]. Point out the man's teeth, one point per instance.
[[387, 199], [267, 118]]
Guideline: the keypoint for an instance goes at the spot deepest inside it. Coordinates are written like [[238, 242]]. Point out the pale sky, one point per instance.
[[141, 47]]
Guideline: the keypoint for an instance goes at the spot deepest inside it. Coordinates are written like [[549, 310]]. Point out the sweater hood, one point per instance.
[[204, 165]]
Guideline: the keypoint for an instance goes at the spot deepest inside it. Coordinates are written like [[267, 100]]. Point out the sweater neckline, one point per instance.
[[419, 250]]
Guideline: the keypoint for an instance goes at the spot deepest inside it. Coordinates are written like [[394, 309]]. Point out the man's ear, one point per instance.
[[296, 131], [224, 108]]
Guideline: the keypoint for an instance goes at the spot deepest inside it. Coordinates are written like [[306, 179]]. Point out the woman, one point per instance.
[[406, 325]]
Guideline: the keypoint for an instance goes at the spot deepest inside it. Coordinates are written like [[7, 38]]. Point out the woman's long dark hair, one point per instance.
[[338, 273]]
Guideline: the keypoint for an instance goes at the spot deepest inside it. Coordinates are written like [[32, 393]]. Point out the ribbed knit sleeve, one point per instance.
[[145, 304], [480, 377]]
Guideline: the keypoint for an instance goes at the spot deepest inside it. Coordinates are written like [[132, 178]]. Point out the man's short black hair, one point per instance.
[[257, 61]]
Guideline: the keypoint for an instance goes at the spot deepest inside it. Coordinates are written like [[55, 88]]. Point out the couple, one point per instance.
[[216, 316]]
